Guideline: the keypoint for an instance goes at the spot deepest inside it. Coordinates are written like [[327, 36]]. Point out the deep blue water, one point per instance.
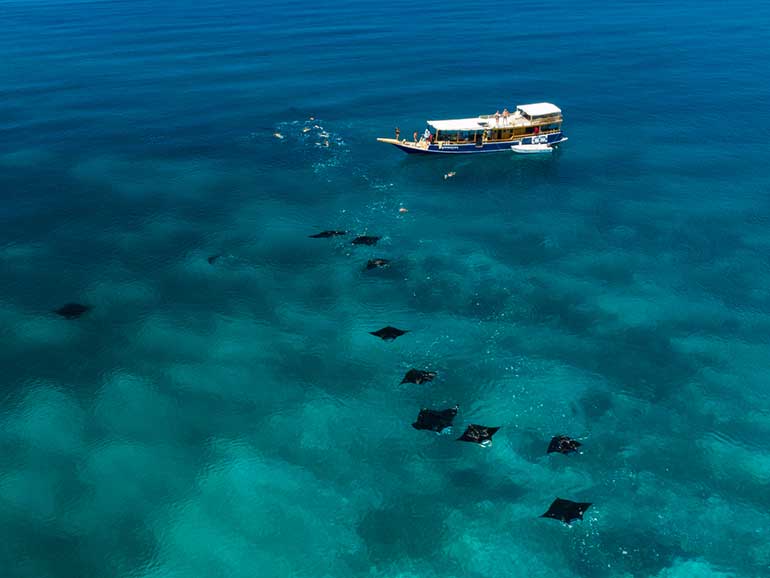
[[237, 419]]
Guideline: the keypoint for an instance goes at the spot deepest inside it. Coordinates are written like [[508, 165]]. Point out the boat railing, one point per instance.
[[521, 121], [524, 135], [486, 139]]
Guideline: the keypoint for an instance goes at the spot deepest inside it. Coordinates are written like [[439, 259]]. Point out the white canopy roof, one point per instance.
[[460, 124], [531, 111], [539, 109]]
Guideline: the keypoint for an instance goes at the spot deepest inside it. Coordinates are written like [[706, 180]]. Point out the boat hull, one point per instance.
[[423, 148]]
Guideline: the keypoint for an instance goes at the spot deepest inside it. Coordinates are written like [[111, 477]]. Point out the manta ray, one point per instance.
[[376, 263], [435, 419], [365, 240], [327, 234], [566, 510], [563, 445], [479, 434], [388, 333], [72, 310], [418, 376]]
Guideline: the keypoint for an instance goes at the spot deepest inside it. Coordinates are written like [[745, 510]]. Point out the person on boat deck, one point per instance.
[[505, 117], [415, 136], [398, 133], [497, 118], [426, 135]]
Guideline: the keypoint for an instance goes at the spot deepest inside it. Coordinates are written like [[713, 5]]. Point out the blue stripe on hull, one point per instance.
[[410, 150], [469, 149]]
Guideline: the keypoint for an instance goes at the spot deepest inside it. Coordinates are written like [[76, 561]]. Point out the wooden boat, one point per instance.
[[529, 125]]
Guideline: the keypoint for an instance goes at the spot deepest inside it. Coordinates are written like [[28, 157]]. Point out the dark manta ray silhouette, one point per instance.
[[375, 263], [327, 234], [72, 310], [389, 333], [563, 445], [418, 376], [213, 259], [566, 510], [435, 419], [365, 240], [479, 434]]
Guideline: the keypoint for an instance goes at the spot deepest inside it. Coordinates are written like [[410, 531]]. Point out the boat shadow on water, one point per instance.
[[480, 167]]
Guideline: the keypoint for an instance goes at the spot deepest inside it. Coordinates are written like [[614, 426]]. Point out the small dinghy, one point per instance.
[[531, 148]]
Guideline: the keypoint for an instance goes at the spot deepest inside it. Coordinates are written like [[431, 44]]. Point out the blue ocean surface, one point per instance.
[[236, 419]]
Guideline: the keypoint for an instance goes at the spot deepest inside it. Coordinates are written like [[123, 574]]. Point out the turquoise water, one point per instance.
[[237, 419]]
